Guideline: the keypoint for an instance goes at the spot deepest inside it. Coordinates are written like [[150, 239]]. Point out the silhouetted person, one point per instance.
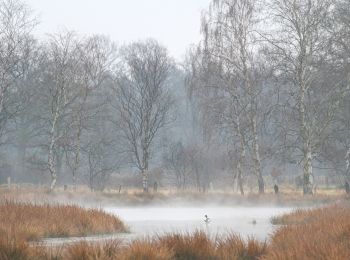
[[275, 188], [155, 186], [347, 187]]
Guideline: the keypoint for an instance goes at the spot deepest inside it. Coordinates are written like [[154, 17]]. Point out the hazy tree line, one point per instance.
[[268, 85]]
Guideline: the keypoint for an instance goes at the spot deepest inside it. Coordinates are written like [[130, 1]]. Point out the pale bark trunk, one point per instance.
[[253, 120], [240, 179], [241, 158], [145, 180], [308, 177], [51, 155], [307, 149], [144, 171], [240, 171], [256, 157], [51, 159]]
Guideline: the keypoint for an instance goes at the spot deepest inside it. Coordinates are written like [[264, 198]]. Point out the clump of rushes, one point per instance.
[[108, 250], [189, 246], [146, 249], [312, 234], [299, 216], [234, 247], [13, 249], [30, 222]]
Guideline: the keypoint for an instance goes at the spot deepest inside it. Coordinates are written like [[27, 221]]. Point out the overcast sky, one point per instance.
[[174, 23]]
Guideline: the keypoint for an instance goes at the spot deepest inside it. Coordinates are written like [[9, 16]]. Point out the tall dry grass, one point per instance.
[[146, 249], [197, 246], [25, 221], [322, 233], [108, 250], [189, 246], [312, 234], [234, 247]]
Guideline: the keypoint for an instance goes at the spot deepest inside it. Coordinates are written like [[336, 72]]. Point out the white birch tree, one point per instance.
[[59, 85], [299, 44], [229, 41], [143, 100]]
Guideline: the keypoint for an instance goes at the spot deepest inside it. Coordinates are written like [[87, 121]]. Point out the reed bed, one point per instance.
[[322, 233], [197, 246], [31, 222]]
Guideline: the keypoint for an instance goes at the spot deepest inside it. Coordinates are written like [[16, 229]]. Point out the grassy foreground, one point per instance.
[[322, 233], [30, 222], [307, 234], [169, 247]]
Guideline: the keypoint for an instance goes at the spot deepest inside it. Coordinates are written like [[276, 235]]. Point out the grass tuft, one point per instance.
[[108, 250], [195, 246], [30, 222], [322, 233]]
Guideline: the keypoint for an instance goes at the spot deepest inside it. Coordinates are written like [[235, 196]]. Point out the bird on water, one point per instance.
[[206, 220]]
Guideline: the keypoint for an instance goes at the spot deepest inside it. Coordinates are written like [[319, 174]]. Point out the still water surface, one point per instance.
[[159, 220], [144, 222]]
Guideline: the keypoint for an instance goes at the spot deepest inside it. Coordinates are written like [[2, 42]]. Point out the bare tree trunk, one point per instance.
[[91, 181], [241, 157], [347, 164], [256, 147], [256, 157], [235, 175], [252, 113], [144, 173], [307, 149], [144, 170], [240, 171], [76, 161], [308, 180], [51, 155], [183, 181]]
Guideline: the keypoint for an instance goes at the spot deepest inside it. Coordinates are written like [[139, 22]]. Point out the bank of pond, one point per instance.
[[31, 231]]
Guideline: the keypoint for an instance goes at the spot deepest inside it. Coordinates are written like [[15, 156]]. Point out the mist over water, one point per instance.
[[149, 221], [141, 121], [153, 221]]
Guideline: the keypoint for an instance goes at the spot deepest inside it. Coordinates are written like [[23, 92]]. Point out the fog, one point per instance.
[[144, 222], [174, 96], [131, 120], [148, 222], [176, 24]]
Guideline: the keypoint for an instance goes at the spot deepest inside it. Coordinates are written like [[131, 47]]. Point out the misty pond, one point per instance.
[[144, 222]]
